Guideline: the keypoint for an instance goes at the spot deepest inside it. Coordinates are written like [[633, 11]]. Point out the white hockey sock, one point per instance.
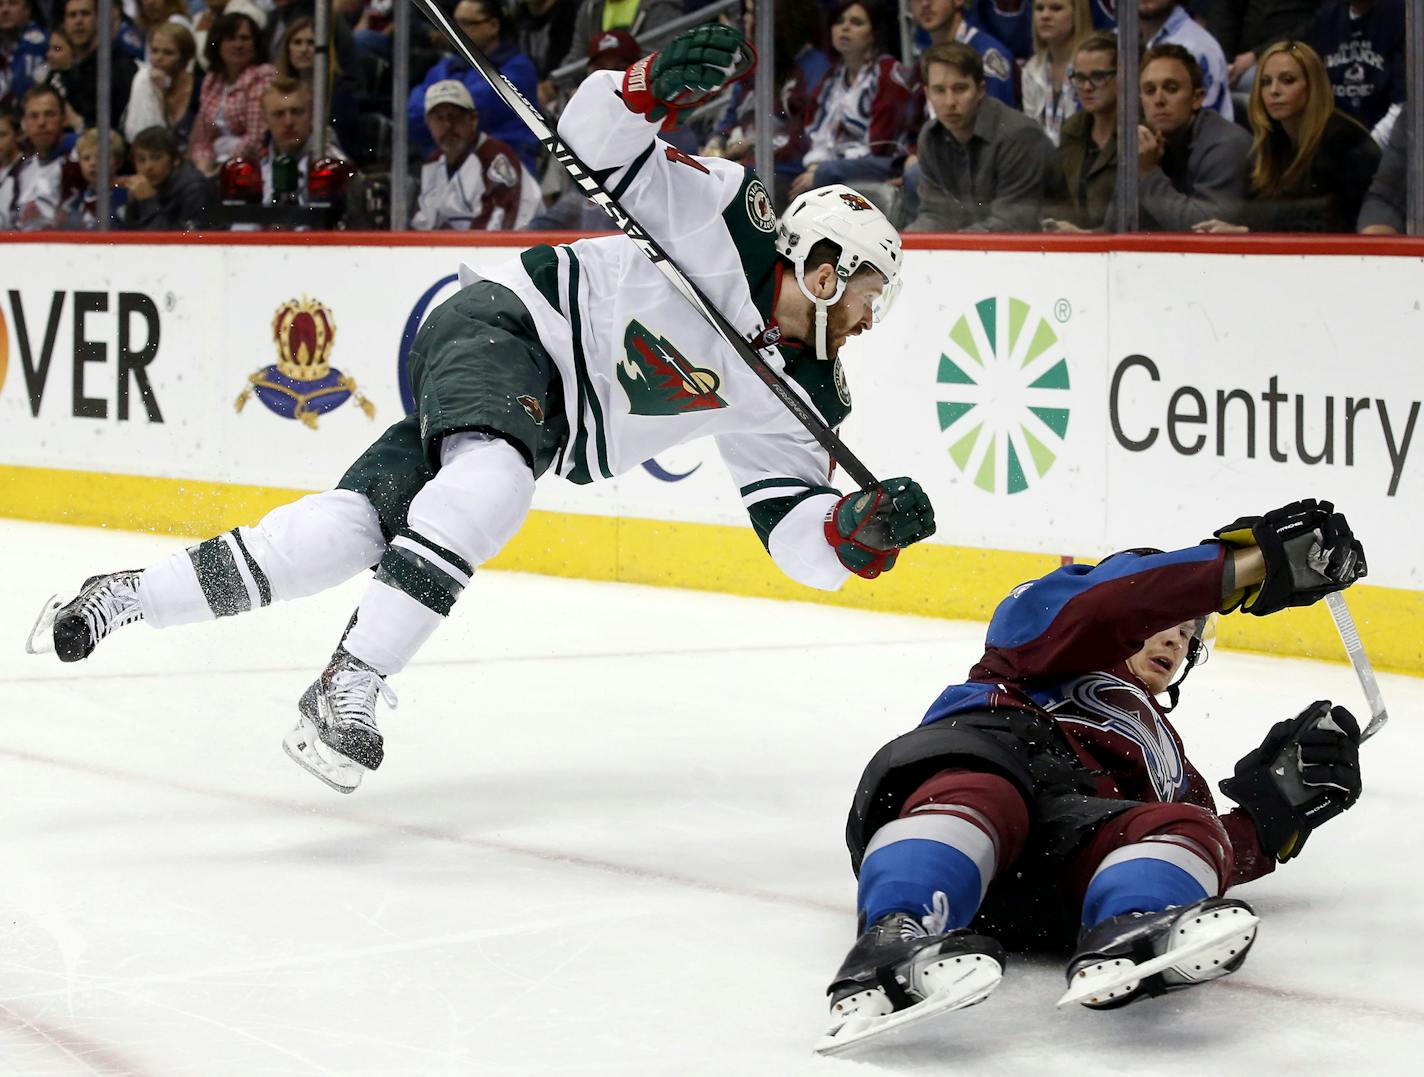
[[295, 550], [460, 519]]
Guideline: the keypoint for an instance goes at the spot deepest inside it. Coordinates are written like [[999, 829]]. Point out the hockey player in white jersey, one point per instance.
[[581, 359]]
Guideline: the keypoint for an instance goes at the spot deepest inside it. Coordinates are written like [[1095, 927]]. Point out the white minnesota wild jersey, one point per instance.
[[642, 371]]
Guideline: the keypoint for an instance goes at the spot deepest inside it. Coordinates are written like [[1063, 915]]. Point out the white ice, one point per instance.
[[607, 839]]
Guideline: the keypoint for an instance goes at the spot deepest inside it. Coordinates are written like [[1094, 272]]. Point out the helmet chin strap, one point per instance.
[[822, 306]]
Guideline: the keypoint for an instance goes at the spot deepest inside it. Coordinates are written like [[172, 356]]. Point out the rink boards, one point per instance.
[[1053, 402]]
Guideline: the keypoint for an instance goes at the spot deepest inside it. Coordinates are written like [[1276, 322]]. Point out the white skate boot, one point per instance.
[[73, 627], [1139, 955], [336, 738]]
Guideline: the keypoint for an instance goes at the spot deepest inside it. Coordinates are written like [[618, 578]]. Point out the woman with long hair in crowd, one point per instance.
[[296, 59], [165, 91], [1048, 97], [1085, 173], [229, 122], [857, 119], [1311, 164]]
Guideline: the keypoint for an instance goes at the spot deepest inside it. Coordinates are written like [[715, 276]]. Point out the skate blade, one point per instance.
[[960, 991], [333, 770], [41, 637], [1236, 923]]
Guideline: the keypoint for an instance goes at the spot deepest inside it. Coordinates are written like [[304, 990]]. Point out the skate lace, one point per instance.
[[353, 694], [111, 606], [936, 920]]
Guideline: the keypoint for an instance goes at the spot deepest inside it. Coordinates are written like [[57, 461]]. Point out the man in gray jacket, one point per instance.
[[1192, 162], [983, 165]]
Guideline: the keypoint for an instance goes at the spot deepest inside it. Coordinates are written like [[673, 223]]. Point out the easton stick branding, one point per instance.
[[1003, 379], [660, 381]]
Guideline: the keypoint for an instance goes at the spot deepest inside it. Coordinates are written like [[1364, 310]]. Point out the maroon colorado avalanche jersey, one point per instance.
[[1059, 646]]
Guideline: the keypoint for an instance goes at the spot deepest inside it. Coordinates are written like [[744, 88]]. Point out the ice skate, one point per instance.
[[900, 972], [73, 627], [336, 738], [1139, 955]]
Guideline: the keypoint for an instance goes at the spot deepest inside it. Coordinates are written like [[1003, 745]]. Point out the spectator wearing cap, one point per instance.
[[638, 17], [472, 182], [1166, 22], [22, 50], [488, 26], [544, 30], [1192, 162]]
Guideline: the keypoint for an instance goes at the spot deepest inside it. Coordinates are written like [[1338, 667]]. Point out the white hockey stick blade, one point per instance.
[[1240, 923], [314, 757], [972, 987], [41, 637], [1355, 648]]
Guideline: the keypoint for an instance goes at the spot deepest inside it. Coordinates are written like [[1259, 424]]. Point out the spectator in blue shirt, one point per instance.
[[1362, 44], [487, 24], [22, 50], [939, 22], [1166, 22]]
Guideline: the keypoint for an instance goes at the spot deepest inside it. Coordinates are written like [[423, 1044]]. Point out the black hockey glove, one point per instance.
[[689, 70], [1309, 550], [869, 528], [1306, 772]]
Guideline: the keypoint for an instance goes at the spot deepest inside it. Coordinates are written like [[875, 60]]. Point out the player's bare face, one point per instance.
[[854, 312], [1162, 656]]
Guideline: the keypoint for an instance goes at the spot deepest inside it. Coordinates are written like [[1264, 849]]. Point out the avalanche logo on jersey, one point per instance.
[[660, 381], [302, 383], [1093, 705]]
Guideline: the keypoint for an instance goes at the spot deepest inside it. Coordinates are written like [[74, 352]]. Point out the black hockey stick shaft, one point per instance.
[[533, 117]]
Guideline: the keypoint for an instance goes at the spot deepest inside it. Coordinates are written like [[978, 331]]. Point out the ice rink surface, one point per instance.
[[607, 839]]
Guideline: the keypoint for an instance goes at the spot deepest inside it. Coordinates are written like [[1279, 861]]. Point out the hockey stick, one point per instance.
[[1350, 637], [544, 131]]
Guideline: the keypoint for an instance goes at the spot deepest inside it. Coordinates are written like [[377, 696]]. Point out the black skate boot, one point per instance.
[[73, 628], [1142, 954], [899, 972], [336, 738]]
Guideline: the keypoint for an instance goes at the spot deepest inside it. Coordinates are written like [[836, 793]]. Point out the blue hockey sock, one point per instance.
[[1147, 876], [910, 859]]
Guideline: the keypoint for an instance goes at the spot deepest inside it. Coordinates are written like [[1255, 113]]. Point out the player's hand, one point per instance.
[[1309, 551], [690, 69], [1306, 772], [868, 528]]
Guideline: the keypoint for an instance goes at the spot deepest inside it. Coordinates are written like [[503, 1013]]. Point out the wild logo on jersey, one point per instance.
[[660, 381]]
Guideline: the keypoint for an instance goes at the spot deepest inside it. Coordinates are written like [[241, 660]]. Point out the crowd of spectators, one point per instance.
[[1255, 115]]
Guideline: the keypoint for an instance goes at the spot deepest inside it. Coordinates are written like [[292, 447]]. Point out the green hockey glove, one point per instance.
[[1309, 551], [691, 69], [869, 528]]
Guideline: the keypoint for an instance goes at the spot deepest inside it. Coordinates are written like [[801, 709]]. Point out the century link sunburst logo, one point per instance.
[[1003, 393]]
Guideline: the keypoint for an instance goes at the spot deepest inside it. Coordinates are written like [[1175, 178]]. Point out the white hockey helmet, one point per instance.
[[849, 220]]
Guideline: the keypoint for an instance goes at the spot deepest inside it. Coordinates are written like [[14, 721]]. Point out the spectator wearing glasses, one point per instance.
[[1166, 22], [1081, 186], [81, 80], [982, 164], [229, 122], [1311, 164], [1048, 97], [489, 27], [23, 43], [1192, 161]]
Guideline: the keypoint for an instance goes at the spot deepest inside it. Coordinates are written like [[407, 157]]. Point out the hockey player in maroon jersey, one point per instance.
[[1048, 795]]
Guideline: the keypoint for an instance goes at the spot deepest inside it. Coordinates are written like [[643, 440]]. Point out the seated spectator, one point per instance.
[[287, 115], [11, 158], [1310, 163], [149, 15], [59, 58], [856, 116], [374, 29], [81, 78], [1384, 210], [165, 92], [799, 65], [1191, 160], [1362, 45], [128, 38], [229, 122], [1243, 29], [79, 201], [638, 17], [203, 20], [544, 31], [296, 59], [1166, 22], [1048, 97], [41, 175], [488, 27], [982, 163], [1014, 22], [473, 182], [22, 51], [1081, 185], [286, 12], [167, 194], [943, 21]]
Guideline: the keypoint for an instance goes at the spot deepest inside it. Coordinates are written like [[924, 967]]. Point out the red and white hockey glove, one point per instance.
[[869, 528], [690, 70]]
